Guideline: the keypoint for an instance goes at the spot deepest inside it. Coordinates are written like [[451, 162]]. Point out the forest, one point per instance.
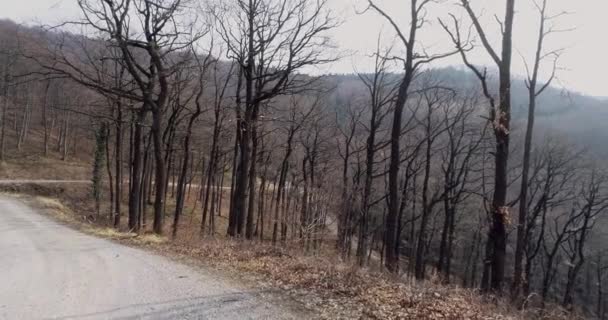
[[208, 114]]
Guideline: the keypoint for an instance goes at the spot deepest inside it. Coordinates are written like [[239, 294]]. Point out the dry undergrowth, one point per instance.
[[339, 291], [334, 290]]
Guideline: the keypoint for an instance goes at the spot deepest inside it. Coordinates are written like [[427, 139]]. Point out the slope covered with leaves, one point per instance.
[[321, 283]]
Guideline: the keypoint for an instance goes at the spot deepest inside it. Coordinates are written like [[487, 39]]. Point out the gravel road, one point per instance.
[[26, 181], [49, 271]]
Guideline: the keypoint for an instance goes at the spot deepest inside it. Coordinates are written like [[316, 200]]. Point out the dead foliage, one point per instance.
[[329, 287], [337, 290]]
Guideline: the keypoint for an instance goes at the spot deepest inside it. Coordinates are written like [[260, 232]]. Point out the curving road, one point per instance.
[[48, 271]]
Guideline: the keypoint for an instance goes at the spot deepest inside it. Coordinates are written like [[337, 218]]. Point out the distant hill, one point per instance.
[[580, 117]]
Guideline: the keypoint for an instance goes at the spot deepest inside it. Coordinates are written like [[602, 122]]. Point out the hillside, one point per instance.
[[326, 188]]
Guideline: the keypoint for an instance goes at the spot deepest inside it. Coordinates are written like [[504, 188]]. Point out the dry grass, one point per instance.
[[51, 204]]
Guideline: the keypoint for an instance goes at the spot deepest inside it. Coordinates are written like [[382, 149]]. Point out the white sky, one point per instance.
[[584, 63]]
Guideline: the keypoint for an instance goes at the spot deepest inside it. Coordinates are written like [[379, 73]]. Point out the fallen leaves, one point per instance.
[[340, 291], [325, 285]]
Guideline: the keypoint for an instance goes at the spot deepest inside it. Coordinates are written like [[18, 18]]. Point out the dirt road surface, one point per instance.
[[49, 271]]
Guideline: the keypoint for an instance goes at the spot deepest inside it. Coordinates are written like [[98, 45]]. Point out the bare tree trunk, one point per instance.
[[533, 93], [221, 188], [236, 147], [245, 127], [171, 168], [146, 194], [118, 167], [22, 135], [426, 206], [252, 183], [220, 192], [160, 173], [280, 188], [109, 170], [362, 243], [261, 206], [66, 130], [181, 188], [259, 228], [190, 176], [45, 121], [500, 117], [136, 173], [214, 201], [6, 93], [443, 243], [211, 167], [4, 123]]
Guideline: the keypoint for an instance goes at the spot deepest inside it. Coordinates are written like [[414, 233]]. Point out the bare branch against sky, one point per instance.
[[584, 61]]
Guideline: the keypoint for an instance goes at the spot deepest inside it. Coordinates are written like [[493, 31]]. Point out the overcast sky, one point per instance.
[[584, 64]]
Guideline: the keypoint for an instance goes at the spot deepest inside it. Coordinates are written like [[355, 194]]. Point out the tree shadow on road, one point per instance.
[[236, 305]]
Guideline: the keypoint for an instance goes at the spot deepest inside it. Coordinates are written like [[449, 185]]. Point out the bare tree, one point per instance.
[[433, 100], [202, 70], [552, 171], [381, 90], [460, 155], [299, 113], [412, 62], [222, 84], [591, 202], [270, 41], [500, 117], [150, 39], [534, 90]]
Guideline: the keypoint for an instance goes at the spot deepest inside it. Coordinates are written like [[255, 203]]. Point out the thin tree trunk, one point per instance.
[[160, 173], [45, 121], [109, 170], [181, 188], [65, 144], [252, 183], [4, 110], [146, 185], [426, 210], [118, 167], [135, 194]]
